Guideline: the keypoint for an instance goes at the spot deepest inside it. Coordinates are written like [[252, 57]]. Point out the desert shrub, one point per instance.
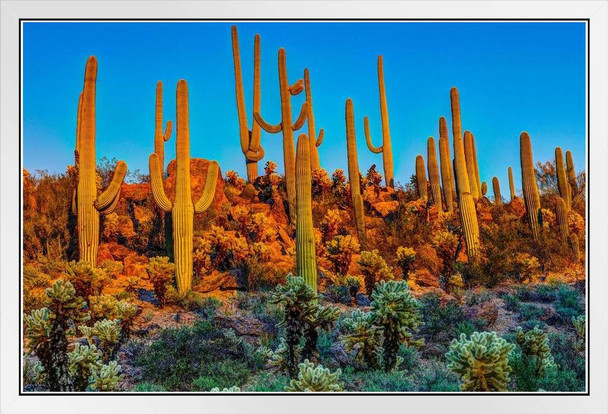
[[446, 247], [478, 297], [260, 272], [374, 269], [201, 255], [528, 311], [377, 381], [225, 374], [436, 377], [568, 304], [148, 387], [480, 362], [268, 382], [86, 279], [315, 379], [525, 265], [332, 225], [439, 319], [338, 183], [536, 293], [512, 302], [226, 251], [112, 267], [161, 273], [405, 260], [339, 251], [338, 294], [321, 184]]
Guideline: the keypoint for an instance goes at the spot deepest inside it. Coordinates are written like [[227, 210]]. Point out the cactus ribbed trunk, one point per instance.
[[475, 163], [434, 173], [497, 195], [313, 141], [88, 203], [421, 183], [470, 163], [511, 184], [353, 173], [446, 164], [571, 173], [528, 180], [250, 139], [562, 180], [305, 238], [466, 204], [561, 214]]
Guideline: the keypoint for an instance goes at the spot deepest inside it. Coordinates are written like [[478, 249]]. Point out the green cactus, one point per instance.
[[579, 329], [234, 388], [534, 346], [475, 163], [315, 379], [466, 204], [496, 188], [434, 173], [561, 214], [107, 377], [314, 141], [484, 188], [250, 139], [87, 204], [481, 362], [385, 148], [353, 173], [421, 183], [470, 161], [182, 208], [305, 237], [405, 259], [571, 173], [83, 361], [288, 128], [363, 336], [511, 184], [159, 137], [374, 269], [530, 189], [562, 180], [576, 252], [446, 165]]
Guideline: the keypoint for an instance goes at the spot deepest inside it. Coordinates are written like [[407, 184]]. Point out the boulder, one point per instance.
[[384, 208], [198, 175]]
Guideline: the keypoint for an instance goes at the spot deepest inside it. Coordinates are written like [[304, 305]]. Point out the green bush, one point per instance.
[[568, 304], [148, 387], [268, 382]]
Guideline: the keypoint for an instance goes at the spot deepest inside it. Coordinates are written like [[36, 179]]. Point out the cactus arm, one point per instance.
[[112, 206], [156, 183], [368, 138], [107, 197], [168, 128], [255, 156], [240, 99], [204, 202], [297, 87], [301, 118], [320, 137], [74, 203], [272, 129]]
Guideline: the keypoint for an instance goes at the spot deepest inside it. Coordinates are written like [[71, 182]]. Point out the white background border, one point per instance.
[[11, 11]]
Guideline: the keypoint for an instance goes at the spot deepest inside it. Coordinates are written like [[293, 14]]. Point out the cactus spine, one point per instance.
[[305, 238], [385, 148], [561, 213], [562, 181], [421, 183], [470, 163], [466, 204], [353, 173], [528, 180], [496, 188], [511, 184], [250, 139], [434, 173], [314, 141], [446, 165], [182, 209], [571, 173], [87, 203]]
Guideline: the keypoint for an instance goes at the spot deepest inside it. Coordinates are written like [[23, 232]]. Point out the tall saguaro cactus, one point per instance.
[[287, 127], [561, 213], [528, 180], [250, 139], [475, 163], [511, 184], [385, 148], [305, 237], [470, 160], [433, 167], [571, 173], [466, 204], [446, 165], [353, 173], [314, 141], [159, 137], [562, 180], [86, 202], [182, 209], [421, 182], [496, 188]]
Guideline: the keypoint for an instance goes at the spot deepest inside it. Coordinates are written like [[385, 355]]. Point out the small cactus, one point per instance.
[[434, 173], [363, 336], [470, 161], [562, 181], [315, 379], [374, 269], [484, 188], [405, 259], [571, 173], [421, 183], [496, 188], [535, 344], [511, 184]]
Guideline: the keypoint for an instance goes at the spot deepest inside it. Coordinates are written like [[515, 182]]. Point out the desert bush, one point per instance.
[[161, 273], [112, 267], [86, 279], [321, 184], [568, 304], [374, 270], [148, 387], [340, 251], [333, 224]]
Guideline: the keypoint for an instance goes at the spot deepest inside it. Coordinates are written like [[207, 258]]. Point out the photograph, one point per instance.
[[291, 206]]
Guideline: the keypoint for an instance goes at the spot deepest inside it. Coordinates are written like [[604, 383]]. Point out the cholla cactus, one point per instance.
[[395, 309], [86, 279], [315, 379], [405, 260], [234, 388], [332, 224], [107, 377], [83, 361], [579, 328], [102, 306], [364, 337], [374, 269], [160, 272], [108, 334], [525, 265], [280, 359], [535, 344], [125, 313], [481, 362], [340, 251]]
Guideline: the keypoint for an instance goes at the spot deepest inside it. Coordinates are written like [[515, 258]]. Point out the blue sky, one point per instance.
[[511, 77]]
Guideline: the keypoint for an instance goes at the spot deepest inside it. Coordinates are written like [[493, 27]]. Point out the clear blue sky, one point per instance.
[[511, 77]]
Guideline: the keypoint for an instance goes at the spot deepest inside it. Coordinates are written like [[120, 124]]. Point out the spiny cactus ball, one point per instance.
[[315, 379]]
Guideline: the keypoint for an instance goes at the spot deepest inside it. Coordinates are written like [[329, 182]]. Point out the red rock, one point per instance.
[[118, 251], [104, 253], [135, 265], [198, 175], [384, 208]]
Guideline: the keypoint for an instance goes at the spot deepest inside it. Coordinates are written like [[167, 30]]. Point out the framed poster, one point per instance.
[[184, 228]]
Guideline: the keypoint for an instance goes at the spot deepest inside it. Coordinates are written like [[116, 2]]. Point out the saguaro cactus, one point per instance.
[[385, 148], [250, 139], [314, 141], [182, 208], [562, 180], [86, 202], [446, 165], [511, 184], [288, 128], [159, 137], [475, 163], [496, 187], [470, 160], [561, 213], [434, 173], [353, 173], [571, 173], [305, 238], [421, 182], [528, 180], [484, 188], [468, 214]]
